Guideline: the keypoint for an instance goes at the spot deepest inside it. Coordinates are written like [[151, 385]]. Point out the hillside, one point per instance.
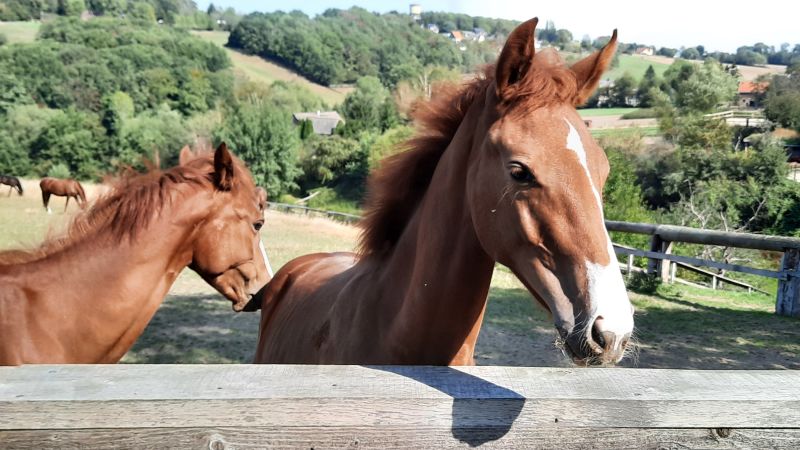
[[261, 70], [636, 66]]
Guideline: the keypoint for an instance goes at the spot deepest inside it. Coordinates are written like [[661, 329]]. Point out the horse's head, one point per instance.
[[226, 248], [535, 187]]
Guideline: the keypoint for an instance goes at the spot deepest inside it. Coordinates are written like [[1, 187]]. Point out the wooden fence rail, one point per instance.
[[788, 297], [240, 406], [663, 237]]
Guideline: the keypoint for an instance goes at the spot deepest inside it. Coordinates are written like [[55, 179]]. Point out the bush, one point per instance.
[[59, 170], [643, 283], [642, 113], [3, 39]]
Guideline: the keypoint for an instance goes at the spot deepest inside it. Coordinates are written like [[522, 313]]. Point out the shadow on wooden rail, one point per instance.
[[242, 406]]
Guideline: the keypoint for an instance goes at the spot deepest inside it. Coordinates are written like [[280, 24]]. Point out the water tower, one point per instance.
[[415, 10]]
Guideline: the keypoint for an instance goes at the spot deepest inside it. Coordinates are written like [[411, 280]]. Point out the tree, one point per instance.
[[74, 138], [368, 107], [624, 88], [646, 84], [690, 53], [142, 11], [117, 108], [700, 88], [668, 52], [161, 131], [266, 140], [70, 7], [782, 104]]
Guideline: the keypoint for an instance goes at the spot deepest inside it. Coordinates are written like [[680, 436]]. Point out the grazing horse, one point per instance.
[[62, 188], [12, 182], [503, 170], [87, 296]]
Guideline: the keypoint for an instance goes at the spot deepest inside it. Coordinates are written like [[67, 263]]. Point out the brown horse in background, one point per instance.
[[62, 188], [505, 171], [12, 182], [87, 296]]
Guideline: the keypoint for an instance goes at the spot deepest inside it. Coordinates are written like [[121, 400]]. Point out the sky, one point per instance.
[[718, 25]]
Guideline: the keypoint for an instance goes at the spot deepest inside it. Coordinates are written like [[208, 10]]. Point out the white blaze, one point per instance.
[[607, 292]]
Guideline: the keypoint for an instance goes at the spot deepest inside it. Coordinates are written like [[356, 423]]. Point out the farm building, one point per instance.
[[749, 93], [323, 122]]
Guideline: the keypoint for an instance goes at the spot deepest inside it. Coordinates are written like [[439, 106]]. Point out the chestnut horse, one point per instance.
[[62, 188], [87, 296], [504, 170], [12, 182]]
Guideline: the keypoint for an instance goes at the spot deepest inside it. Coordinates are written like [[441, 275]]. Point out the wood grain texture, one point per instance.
[[788, 299], [690, 235], [396, 438], [191, 396]]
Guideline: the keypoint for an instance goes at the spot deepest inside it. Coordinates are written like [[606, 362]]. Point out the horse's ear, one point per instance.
[[516, 57], [223, 168], [185, 156], [589, 70]]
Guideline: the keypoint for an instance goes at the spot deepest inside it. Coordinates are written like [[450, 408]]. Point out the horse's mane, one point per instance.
[[397, 187], [128, 207]]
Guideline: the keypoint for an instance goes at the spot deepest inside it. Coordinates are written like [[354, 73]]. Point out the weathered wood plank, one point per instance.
[[396, 438], [788, 298], [700, 262], [158, 396], [689, 235]]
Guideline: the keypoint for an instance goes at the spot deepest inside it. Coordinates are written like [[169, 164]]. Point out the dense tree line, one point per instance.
[[166, 10], [341, 46], [104, 92], [447, 21]]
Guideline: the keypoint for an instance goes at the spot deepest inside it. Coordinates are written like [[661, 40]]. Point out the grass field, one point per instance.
[[643, 131], [636, 66], [595, 112], [677, 327], [258, 69], [19, 31]]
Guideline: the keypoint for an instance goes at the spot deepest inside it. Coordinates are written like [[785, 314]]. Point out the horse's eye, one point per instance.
[[257, 225], [520, 173]]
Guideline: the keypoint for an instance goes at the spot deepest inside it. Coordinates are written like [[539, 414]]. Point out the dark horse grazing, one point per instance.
[[504, 170], [62, 188], [87, 296], [12, 182]]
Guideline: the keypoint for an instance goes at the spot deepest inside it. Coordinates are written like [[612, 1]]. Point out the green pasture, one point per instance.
[[642, 131], [636, 66], [595, 112], [20, 31], [678, 327]]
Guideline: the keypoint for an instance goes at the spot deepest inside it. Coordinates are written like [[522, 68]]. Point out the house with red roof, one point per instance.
[[751, 93]]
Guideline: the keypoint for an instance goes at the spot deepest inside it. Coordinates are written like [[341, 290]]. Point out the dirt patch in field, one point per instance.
[[606, 122]]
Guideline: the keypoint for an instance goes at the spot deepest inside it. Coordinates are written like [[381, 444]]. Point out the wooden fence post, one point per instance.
[[788, 302], [658, 266]]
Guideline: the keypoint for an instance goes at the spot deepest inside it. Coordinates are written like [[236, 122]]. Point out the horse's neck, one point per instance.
[[444, 291], [107, 290]]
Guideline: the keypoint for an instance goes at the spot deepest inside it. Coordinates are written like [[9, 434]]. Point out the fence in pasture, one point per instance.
[[237, 406], [742, 118], [298, 209], [661, 243], [661, 246]]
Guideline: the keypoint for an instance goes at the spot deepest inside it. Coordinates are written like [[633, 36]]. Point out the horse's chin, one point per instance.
[[240, 305]]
